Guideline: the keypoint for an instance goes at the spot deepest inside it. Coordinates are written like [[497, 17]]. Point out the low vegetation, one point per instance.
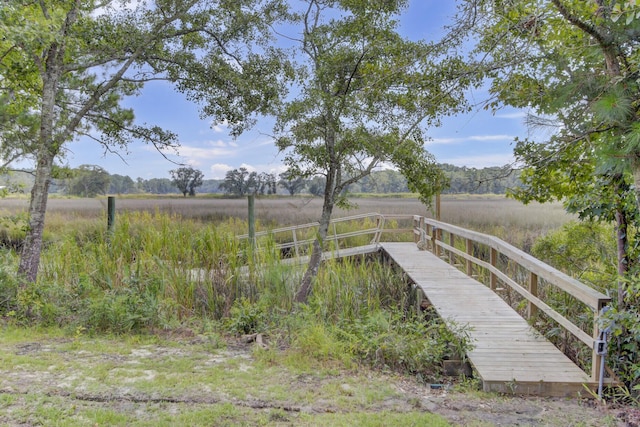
[[160, 271]]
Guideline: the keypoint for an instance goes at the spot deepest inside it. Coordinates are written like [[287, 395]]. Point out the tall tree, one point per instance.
[[121, 184], [293, 185], [265, 183], [89, 181], [69, 63], [238, 181], [366, 96], [186, 179], [575, 63]]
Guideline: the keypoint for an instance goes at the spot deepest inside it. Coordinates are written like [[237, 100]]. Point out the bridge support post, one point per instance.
[[428, 230], [533, 289], [435, 237], [252, 220], [111, 214], [596, 357], [452, 243], [493, 260], [420, 225], [470, 253]]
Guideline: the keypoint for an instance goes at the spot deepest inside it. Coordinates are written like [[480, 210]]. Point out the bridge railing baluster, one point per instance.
[[482, 254], [503, 261]]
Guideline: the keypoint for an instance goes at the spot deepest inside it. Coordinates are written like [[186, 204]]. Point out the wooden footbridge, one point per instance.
[[493, 289]]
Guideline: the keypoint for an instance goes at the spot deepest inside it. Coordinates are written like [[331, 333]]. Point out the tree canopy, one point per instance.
[[366, 97], [65, 66], [575, 64], [186, 179], [88, 181], [240, 182]]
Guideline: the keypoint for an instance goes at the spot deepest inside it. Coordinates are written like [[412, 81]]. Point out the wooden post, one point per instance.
[[111, 214], [252, 221], [469, 262], [596, 359], [533, 288], [493, 260], [434, 241], [452, 243], [295, 243]]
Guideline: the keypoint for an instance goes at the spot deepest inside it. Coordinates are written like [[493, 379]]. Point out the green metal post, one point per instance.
[[111, 213], [252, 221]]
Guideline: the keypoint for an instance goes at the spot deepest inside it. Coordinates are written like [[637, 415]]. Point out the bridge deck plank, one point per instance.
[[508, 355]]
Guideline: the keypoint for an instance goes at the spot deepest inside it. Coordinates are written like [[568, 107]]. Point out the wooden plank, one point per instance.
[[508, 354]]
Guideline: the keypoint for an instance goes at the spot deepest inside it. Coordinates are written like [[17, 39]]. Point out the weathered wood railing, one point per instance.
[[482, 255], [295, 240], [501, 260]]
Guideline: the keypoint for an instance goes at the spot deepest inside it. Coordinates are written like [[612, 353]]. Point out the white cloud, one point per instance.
[[204, 153], [219, 170], [220, 127], [265, 142], [491, 138], [219, 143], [514, 115], [481, 161], [484, 138], [194, 163]]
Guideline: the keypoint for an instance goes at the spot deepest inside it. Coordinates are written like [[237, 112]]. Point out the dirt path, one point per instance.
[[53, 380]]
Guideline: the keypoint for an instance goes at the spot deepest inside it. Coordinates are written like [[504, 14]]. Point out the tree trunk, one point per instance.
[[30, 255], [302, 296], [635, 166], [46, 153], [623, 255]]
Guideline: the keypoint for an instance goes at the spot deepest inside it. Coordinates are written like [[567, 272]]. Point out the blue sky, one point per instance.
[[478, 139]]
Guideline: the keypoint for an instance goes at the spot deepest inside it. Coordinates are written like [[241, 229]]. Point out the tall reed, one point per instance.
[[159, 269]]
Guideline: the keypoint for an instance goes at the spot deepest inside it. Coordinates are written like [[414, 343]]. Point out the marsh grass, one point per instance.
[[175, 261], [493, 214]]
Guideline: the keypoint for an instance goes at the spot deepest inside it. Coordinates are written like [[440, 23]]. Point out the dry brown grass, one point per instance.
[[508, 219]]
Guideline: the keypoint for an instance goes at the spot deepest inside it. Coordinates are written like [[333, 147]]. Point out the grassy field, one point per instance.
[[201, 379], [492, 214], [118, 331]]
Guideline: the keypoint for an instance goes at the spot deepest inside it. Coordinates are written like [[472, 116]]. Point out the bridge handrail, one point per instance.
[[430, 233], [332, 236], [579, 290], [427, 230]]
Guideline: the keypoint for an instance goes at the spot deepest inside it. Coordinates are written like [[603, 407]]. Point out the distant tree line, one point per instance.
[[92, 180]]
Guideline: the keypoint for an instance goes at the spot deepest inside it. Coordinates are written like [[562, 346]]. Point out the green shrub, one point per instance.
[[624, 346], [587, 251], [320, 342], [8, 287], [247, 317], [584, 250], [410, 345], [123, 311], [13, 230]]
